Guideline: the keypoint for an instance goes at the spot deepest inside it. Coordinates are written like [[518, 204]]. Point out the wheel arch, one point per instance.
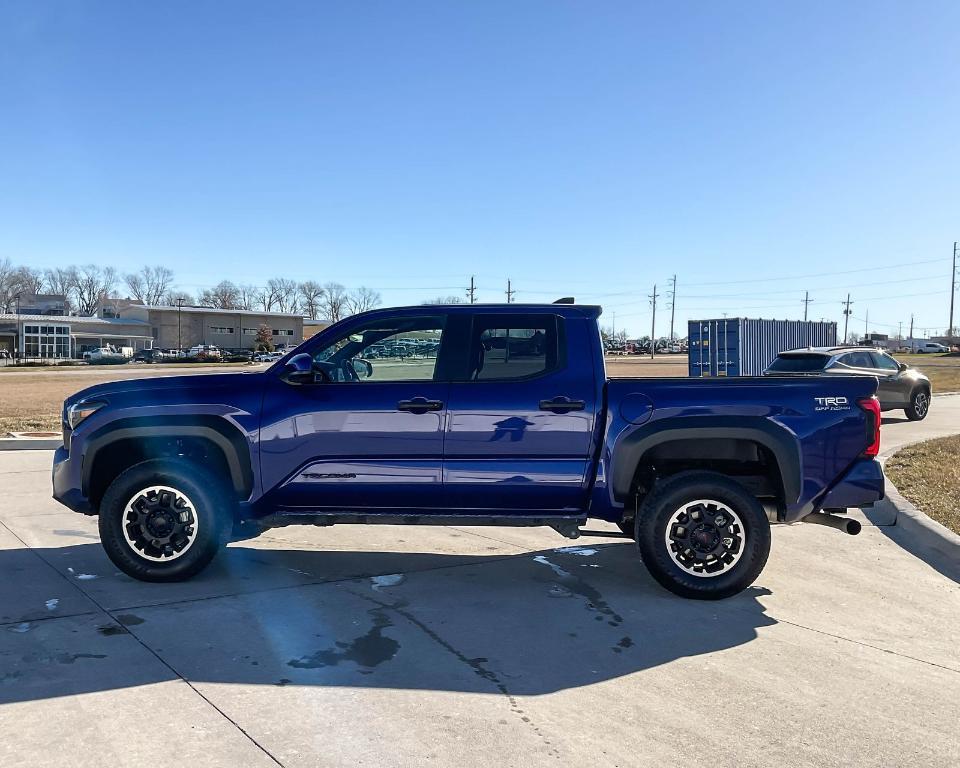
[[777, 442], [126, 442]]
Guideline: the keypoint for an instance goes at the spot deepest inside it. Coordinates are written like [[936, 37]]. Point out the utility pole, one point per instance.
[[673, 304], [613, 329], [846, 317], [953, 288], [900, 332], [179, 337], [911, 331], [866, 325], [806, 304], [472, 290], [653, 322], [510, 292]]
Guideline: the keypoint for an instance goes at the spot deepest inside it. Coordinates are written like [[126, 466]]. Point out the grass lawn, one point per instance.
[[928, 474]]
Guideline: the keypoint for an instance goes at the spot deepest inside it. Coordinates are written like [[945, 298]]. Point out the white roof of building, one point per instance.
[[187, 308], [68, 319]]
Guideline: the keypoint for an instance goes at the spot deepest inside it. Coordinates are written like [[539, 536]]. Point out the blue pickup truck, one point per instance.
[[472, 414]]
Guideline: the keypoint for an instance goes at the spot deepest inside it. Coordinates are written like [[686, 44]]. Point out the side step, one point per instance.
[[563, 524]]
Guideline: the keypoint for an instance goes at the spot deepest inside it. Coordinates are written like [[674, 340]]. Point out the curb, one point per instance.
[[30, 443], [923, 536]]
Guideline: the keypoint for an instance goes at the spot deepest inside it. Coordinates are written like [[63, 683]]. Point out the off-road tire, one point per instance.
[[671, 495], [212, 504]]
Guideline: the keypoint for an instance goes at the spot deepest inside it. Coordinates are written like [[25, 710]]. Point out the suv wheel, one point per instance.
[[919, 405], [164, 520], [702, 535]]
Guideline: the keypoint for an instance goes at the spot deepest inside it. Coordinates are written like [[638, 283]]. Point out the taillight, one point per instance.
[[872, 406]]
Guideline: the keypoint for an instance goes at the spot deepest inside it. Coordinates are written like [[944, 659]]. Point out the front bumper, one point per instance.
[[67, 482]]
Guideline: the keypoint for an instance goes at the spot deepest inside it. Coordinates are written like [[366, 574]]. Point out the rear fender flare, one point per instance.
[[782, 443]]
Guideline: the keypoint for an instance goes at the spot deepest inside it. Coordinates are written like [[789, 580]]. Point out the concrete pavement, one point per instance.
[[470, 647]]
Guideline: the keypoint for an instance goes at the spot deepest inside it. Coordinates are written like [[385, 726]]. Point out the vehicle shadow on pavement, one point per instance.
[[511, 624]]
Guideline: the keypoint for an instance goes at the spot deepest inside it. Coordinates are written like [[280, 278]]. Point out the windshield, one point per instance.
[[804, 363]]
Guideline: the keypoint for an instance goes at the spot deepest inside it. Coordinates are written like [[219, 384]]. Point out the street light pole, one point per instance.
[[179, 342]]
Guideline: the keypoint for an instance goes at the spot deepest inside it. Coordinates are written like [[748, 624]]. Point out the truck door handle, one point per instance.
[[562, 405], [419, 405]]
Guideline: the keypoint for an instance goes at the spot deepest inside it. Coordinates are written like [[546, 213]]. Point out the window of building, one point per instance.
[[249, 331], [220, 329], [46, 341], [283, 332]]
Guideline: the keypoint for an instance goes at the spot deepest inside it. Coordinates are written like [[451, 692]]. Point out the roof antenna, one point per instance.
[[566, 300]]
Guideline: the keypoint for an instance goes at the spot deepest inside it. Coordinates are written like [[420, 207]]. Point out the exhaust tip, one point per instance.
[[853, 527]]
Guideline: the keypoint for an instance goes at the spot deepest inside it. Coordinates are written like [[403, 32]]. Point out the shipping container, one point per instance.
[[739, 346]]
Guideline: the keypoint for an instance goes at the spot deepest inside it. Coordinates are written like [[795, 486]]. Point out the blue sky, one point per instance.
[[755, 149]]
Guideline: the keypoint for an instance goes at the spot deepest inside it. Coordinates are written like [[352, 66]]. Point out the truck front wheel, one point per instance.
[[702, 535], [164, 520]]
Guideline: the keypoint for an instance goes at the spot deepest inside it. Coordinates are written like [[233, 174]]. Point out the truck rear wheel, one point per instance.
[[702, 535], [164, 520]]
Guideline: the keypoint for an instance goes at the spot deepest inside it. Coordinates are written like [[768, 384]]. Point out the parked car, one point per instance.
[[929, 347], [267, 357], [147, 356], [204, 352], [105, 356], [899, 385], [237, 355], [693, 470]]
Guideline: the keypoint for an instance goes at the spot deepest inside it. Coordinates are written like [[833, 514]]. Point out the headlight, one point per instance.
[[79, 411]]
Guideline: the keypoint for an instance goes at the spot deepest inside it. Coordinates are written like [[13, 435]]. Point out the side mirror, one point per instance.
[[902, 367], [363, 368], [298, 370]]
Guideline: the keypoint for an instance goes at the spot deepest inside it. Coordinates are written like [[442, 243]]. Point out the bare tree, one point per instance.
[[60, 282], [28, 279], [248, 296], [363, 299], [150, 284], [92, 284], [445, 300], [171, 297], [311, 298], [8, 285], [224, 295], [334, 302], [285, 293]]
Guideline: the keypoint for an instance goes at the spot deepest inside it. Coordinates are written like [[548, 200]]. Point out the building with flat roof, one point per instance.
[[52, 337], [133, 325], [185, 327]]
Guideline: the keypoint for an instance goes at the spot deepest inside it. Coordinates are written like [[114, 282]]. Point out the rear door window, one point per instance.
[[799, 363], [511, 347], [857, 360]]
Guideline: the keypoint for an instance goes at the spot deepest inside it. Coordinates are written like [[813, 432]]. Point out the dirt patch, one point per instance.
[[928, 475], [31, 399]]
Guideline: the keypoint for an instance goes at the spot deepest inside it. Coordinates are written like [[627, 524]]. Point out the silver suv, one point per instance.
[[900, 386]]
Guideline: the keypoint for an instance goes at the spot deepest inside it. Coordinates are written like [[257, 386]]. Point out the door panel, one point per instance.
[[368, 433], [348, 445], [508, 447]]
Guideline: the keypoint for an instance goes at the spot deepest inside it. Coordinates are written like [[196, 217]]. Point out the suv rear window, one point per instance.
[[808, 363]]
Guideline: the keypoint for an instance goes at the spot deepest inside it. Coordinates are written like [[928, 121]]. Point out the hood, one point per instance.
[[194, 383]]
